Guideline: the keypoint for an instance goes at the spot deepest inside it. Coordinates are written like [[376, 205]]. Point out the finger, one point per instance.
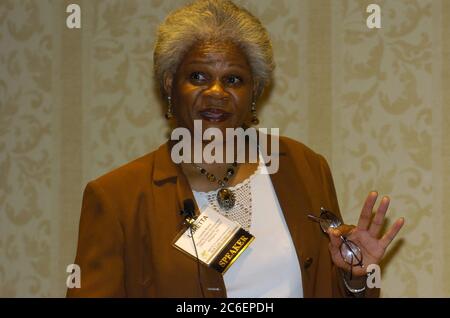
[[335, 254], [378, 220], [366, 213], [390, 235], [344, 230], [335, 237], [335, 247]]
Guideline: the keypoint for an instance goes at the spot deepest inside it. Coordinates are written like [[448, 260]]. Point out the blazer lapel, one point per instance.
[[212, 281], [165, 170], [294, 199]]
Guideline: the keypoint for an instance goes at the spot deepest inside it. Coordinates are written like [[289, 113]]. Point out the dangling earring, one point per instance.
[[255, 120], [169, 114]]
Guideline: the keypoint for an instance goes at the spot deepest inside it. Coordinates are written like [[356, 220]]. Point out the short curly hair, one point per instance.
[[213, 20]]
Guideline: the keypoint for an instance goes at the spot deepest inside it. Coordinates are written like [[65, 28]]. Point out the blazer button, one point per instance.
[[308, 262]]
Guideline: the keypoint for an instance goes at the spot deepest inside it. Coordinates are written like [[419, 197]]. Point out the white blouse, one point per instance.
[[269, 266]]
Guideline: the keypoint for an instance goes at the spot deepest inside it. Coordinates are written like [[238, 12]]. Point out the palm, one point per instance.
[[366, 235]]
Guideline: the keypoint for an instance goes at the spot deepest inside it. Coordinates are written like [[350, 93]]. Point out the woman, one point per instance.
[[213, 60]]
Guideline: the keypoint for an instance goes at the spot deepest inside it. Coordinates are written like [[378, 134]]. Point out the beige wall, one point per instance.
[[77, 103]]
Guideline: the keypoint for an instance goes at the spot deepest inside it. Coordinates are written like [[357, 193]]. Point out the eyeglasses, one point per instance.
[[350, 252]]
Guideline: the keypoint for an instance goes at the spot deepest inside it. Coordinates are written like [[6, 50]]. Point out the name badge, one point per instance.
[[218, 240]]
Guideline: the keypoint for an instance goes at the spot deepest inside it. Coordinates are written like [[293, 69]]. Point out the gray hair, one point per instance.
[[213, 20]]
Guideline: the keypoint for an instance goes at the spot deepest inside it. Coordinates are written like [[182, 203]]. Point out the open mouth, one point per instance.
[[214, 115]]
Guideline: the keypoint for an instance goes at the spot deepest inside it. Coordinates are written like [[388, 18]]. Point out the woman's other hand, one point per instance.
[[367, 235]]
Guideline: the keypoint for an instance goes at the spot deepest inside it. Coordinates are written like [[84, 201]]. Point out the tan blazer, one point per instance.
[[130, 217]]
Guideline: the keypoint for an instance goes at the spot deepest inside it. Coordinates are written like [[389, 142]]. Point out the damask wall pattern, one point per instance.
[[75, 104], [383, 135], [26, 148], [441, 169]]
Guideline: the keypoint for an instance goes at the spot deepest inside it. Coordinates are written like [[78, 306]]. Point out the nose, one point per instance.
[[217, 91]]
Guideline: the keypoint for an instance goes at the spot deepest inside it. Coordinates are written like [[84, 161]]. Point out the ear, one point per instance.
[[167, 84]]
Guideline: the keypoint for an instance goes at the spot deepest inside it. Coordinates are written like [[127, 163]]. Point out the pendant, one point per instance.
[[225, 198]]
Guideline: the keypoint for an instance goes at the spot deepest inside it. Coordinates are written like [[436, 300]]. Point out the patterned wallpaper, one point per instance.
[[383, 105], [76, 103], [27, 150]]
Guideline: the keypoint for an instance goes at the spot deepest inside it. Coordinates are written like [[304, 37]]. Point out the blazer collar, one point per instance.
[[164, 168]]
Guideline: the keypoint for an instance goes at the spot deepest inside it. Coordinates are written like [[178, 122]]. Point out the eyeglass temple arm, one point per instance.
[[314, 218]]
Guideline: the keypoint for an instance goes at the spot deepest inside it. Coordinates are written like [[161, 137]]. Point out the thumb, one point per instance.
[[335, 237], [344, 229]]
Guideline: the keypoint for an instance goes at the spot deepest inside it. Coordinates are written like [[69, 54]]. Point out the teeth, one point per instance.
[[214, 111], [214, 114]]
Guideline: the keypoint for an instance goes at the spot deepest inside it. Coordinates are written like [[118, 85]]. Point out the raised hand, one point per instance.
[[366, 235]]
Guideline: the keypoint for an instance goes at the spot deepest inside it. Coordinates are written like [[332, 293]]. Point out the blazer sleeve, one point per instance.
[[100, 247], [339, 289]]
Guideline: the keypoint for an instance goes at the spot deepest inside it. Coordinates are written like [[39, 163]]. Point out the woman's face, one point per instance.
[[214, 84]]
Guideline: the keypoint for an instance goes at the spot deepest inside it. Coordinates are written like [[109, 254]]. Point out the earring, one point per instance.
[[169, 114], [254, 120]]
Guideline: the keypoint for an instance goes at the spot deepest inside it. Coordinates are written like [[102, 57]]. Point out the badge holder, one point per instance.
[[218, 240]]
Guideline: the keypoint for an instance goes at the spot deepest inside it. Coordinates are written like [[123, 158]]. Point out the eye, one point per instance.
[[197, 77], [233, 80]]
